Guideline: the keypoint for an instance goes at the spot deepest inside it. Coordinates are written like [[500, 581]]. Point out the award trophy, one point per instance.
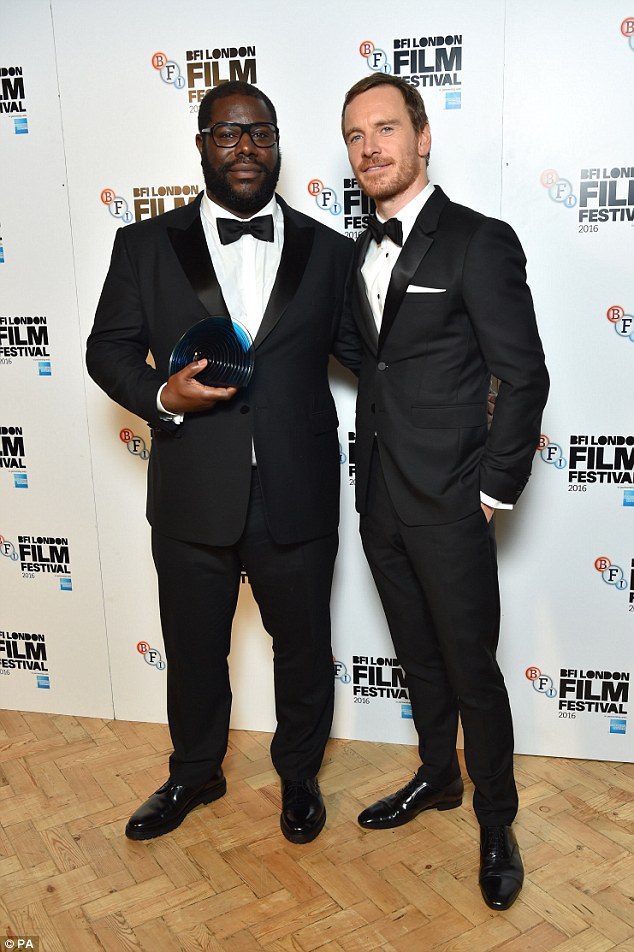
[[226, 345]]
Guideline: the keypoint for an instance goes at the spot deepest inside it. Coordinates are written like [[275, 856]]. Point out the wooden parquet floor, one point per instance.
[[227, 880]]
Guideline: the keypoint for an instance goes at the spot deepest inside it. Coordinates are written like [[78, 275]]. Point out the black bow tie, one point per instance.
[[230, 229], [379, 229]]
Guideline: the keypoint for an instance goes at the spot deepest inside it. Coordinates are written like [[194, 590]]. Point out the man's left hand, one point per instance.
[[491, 398], [488, 511]]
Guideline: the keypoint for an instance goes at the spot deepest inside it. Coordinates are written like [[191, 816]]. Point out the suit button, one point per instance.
[[382, 365], [244, 409]]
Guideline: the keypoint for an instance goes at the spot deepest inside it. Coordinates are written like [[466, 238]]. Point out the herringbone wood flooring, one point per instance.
[[227, 879]]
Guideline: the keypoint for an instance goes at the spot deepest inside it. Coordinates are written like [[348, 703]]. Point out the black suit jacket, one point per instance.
[[424, 381], [161, 281]]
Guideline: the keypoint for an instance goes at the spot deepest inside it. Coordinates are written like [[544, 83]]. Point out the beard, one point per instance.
[[394, 181], [219, 187]]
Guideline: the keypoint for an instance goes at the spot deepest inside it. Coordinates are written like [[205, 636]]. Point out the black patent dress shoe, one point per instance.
[[303, 811], [412, 799], [167, 808], [501, 868]]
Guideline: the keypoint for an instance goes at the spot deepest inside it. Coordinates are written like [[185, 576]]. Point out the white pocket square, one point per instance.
[[416, 289]]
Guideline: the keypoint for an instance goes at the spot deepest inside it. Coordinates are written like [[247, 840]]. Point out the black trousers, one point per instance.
[[439, 590], [198, 592]]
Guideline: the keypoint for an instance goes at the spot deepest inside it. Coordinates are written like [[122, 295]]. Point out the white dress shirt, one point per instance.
[[377, 272], [246, 270], [381, 258]]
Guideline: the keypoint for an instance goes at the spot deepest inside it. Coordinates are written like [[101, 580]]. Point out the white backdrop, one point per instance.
[[97, 122]]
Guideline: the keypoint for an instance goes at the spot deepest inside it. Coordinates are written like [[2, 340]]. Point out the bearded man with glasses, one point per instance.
[[239, 480]]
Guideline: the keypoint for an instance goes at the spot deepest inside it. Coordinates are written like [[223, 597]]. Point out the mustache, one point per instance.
[[244, 160], [372, 165]]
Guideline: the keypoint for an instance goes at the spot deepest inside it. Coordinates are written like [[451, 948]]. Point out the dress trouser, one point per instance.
[[198, 592], [439, 589]]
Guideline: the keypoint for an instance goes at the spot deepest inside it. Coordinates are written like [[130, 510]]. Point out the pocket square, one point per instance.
[[416, 289]]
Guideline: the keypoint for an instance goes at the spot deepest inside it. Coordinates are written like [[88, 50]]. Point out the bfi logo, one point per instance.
[[559, 189], [551, 452], [542, 683], [376, 59], [116, 205], [151, 656], [622, 323], [610, 573], [136, 444], [325, 197], [169, 71]]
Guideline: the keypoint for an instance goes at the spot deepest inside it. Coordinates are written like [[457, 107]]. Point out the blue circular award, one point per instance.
[[227, 347]]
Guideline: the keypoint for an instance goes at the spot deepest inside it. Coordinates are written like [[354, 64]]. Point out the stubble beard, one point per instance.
[[394, 184]]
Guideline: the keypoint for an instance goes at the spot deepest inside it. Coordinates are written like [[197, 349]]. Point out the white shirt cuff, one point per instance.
[[494, 503], [167, 414]]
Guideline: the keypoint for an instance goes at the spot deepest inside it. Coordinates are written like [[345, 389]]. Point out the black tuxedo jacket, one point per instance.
[[457, 310], [161, 281]]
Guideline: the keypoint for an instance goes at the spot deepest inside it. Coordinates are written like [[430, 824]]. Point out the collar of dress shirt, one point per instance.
[[410, 212], [212, 211]]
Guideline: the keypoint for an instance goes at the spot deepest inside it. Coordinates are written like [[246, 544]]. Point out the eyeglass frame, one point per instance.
[[244, 127]]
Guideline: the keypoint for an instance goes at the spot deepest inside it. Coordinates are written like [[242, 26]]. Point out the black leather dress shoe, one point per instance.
[[167, 808], [303, 811], [501, 868], [412, 799]]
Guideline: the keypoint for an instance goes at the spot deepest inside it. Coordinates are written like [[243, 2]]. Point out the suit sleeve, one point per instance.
[[117, 349], [347, 343], [500, 307]]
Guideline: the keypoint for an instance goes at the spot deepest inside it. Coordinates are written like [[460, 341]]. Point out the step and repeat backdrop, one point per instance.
[[530, 109]]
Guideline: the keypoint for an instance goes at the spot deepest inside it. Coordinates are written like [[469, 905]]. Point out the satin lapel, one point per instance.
[[190, 247], [414, 250], [367, 324], [298, 244]]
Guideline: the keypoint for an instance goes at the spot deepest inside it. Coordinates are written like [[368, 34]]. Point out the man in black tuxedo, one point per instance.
[[440, 302], [237, 480]]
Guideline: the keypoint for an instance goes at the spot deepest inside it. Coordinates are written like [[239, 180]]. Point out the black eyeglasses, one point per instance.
[[228, 134]]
